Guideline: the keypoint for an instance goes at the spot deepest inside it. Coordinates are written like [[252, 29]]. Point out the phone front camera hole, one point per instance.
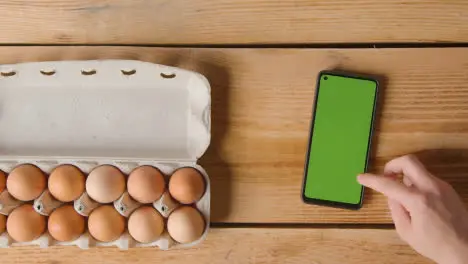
[[325, 78]]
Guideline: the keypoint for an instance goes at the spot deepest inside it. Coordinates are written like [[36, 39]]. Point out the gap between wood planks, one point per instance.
[[262, 46], [302, 225]]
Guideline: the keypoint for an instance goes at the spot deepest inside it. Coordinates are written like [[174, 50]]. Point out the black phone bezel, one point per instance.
[[311, 129]]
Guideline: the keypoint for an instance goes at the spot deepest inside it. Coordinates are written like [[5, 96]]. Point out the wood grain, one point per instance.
[[232, 22], [257, 245], [262, 101]]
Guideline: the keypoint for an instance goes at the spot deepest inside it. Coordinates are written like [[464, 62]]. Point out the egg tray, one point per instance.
[[124, 113], [125, 241]]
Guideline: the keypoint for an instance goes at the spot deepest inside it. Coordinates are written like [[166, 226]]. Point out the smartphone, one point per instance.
[[340, 139]]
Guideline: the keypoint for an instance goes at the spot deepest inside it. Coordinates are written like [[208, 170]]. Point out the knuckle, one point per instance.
[[443, 185], [444, 188], [440, 187], [437, 189], [410, 158]]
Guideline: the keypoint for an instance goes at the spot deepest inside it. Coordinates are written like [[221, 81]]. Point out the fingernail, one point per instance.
[[359, 178]]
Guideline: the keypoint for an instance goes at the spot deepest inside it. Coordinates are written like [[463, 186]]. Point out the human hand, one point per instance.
[[427, 212]]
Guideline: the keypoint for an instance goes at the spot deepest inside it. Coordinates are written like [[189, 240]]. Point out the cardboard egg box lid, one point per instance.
[[103, 109]]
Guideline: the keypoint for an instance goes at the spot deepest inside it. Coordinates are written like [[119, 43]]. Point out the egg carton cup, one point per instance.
[[114, 112]]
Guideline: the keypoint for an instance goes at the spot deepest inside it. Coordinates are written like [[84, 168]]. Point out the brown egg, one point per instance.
[[106, 224], [2, 223], [26, 182], [145, 224], [187, 185], [65, 224], [2, 181], [185, 224], [105, 184], [24, 224], [66, 183], [146, 184]]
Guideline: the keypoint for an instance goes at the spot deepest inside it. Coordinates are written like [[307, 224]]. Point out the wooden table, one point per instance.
[[262, 58]]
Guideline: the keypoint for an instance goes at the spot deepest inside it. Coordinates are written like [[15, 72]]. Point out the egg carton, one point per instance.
[[116, 112]]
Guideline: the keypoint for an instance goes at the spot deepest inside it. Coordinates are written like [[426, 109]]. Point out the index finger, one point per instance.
[[388, 187]]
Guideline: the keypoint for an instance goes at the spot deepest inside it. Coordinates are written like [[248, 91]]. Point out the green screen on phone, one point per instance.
[[340, 138]]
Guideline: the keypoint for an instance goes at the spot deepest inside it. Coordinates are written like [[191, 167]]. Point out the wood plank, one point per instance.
[[232, 22], [262, 101], [240, 245]]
